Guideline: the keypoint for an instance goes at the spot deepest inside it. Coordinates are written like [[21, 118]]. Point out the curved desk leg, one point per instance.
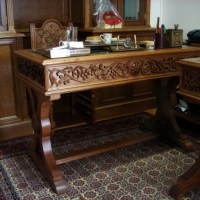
[[186, 182], [41, 150], [164, 119]]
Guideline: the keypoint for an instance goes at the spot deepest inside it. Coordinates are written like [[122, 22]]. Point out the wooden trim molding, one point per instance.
[[3, 24], [6, 18], [10, 17]]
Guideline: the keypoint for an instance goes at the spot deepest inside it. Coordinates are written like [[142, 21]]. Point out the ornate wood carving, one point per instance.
[[115, 70], [45, 36], [70, 74], [191, 80], [31, 70]]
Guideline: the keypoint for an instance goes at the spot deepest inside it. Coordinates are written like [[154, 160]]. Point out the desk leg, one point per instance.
[[41, 150], [186, 182], [164, 119]]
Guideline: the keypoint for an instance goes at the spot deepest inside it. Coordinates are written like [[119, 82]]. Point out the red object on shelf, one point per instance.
[[111, 19]]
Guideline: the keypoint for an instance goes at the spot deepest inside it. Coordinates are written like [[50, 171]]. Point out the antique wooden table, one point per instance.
[[46, 79], [190, 90]]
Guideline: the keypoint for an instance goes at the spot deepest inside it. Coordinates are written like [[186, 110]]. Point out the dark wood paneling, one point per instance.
[[76, 9], [39, 11], [7, 99], [142, 89], [13, 108], [112, 95]]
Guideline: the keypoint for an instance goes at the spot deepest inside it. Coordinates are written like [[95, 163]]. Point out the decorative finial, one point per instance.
[[176, 26]]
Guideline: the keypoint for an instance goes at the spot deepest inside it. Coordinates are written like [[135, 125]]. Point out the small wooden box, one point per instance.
[[174, 38]]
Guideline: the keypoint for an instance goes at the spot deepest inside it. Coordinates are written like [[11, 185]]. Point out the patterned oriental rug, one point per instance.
[[144, 171]]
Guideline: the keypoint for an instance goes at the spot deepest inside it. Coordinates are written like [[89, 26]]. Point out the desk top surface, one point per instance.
[[195, 62], [42, 60]]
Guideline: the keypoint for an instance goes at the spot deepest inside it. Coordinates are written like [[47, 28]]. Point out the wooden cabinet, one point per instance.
[[142, 33], [14, 121], [133, 12], [82, 16], [137, 24]]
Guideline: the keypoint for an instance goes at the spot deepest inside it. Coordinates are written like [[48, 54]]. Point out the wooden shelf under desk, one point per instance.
[[194, 118]]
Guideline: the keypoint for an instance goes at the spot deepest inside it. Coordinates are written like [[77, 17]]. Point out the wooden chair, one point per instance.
[[47, 35]]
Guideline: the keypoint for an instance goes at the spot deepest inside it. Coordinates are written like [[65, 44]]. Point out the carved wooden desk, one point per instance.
[[190, 90], [46, 79]]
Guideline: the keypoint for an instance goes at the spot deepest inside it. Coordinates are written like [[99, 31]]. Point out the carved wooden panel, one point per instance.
[[33, 71], [190, 80], [112, 72], [104, 71]]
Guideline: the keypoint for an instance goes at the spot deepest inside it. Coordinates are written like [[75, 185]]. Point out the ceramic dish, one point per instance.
[[93, 41]]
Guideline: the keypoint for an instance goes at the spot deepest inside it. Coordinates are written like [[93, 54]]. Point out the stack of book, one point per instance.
[[74, 49], [59, 53]]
